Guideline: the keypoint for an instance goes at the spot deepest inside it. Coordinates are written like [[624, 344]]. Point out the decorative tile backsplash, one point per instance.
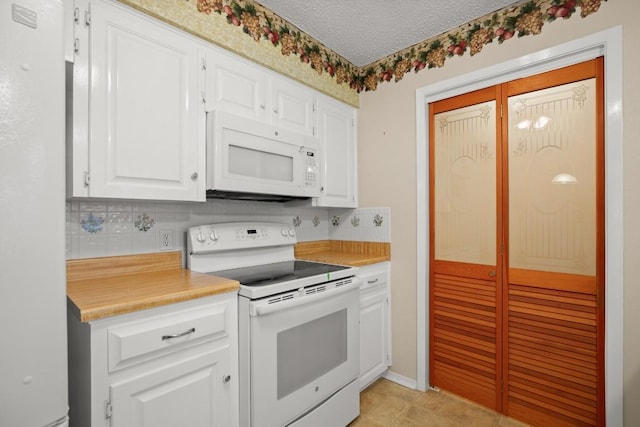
[[96, 229], [364, 224]]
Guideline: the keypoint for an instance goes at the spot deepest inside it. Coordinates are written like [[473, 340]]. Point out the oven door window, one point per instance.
[[301, 355], [311, 350]]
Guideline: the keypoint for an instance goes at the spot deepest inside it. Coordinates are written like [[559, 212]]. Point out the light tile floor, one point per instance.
[[387, 404]]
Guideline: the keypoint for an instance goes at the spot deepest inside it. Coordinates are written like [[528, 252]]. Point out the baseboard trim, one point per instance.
[[401, 379]]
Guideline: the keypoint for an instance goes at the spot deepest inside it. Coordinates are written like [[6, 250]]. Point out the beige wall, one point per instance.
[[387, 174]]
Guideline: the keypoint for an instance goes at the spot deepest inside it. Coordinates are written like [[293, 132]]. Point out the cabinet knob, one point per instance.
[[226, 378], [194, 176], [492, 273], [275, 110], [262, 106]]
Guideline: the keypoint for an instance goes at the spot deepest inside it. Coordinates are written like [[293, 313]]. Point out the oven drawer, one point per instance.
[[138, 341]]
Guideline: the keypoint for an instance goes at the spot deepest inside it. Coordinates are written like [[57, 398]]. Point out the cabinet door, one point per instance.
[[373, 336], [235, 86], [292, 106], [339, 168], [195, 392], [146, 115]]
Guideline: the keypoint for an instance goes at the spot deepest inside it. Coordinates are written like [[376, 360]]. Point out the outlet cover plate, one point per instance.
[[166, 240]]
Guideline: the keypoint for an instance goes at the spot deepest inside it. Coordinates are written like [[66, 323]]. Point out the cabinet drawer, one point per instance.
[[139, 341], [373, 276]]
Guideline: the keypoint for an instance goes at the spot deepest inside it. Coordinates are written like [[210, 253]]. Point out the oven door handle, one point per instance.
[[263, 310]]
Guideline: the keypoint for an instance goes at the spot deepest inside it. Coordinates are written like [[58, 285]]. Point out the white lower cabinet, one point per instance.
[[170, 366], [375, 322]]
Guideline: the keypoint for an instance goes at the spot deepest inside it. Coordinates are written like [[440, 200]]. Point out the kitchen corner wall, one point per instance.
[[119, 227]]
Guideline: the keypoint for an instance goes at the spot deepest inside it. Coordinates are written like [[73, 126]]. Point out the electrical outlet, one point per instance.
[[166, 240]]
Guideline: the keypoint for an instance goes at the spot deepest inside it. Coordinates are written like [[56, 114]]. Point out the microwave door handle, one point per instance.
[[263, 310]]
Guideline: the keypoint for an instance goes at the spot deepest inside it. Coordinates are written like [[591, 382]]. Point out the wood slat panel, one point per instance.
[[464, 337], [566, 387], [471, 341], [536, 417], [558, 281], [465, 384], [552, 356], [469, 271]]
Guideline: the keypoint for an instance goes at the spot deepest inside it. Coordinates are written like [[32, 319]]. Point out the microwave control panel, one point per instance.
[[310, 167]]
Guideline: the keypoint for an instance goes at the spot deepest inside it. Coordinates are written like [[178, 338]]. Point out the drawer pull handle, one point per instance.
[[372, 281], [170, 337]]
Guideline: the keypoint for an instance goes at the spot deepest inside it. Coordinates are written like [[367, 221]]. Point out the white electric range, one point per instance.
[[298, 324]]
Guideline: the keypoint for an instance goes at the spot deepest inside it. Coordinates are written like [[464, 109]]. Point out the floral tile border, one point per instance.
[[523, 18]]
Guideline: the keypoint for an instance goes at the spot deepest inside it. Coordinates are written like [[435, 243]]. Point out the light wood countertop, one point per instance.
[[109, 286], [355, 254]]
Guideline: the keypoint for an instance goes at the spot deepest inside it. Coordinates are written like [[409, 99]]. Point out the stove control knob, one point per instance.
[[214, 235], [201, 237], [284, 232], [292, 232]]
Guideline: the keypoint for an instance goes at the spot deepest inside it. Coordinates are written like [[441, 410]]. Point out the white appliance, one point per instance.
[[247, 159], [33, 359], [298, 325]]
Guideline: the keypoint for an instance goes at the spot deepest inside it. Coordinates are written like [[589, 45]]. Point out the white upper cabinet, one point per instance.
[[146, 124], [339, 170], [293, 106], [235, 86], [238, 86], [139, 93]]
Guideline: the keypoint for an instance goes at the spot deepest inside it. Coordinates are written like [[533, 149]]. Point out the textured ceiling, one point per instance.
[[364, 31]]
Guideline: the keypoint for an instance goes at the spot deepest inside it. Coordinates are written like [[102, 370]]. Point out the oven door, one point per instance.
[[303, 350]]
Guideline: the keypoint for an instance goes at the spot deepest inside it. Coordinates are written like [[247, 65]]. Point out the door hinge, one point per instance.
[[500, 110], [87, 18], [204, 63], [313, 130], [86, 179], [108, 410], [76, 14], [76, 45], [388, 360]]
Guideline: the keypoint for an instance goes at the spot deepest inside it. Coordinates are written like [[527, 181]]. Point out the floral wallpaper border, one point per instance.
[[523, 18]]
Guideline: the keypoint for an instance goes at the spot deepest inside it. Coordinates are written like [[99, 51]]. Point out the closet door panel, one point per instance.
[[553, 347], [465, 356]]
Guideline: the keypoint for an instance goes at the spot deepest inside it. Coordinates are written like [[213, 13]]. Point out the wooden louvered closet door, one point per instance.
[[539, 319], [465, 268]]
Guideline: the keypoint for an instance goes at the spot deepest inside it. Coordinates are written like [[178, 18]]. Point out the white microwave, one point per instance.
[[251, 160]]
